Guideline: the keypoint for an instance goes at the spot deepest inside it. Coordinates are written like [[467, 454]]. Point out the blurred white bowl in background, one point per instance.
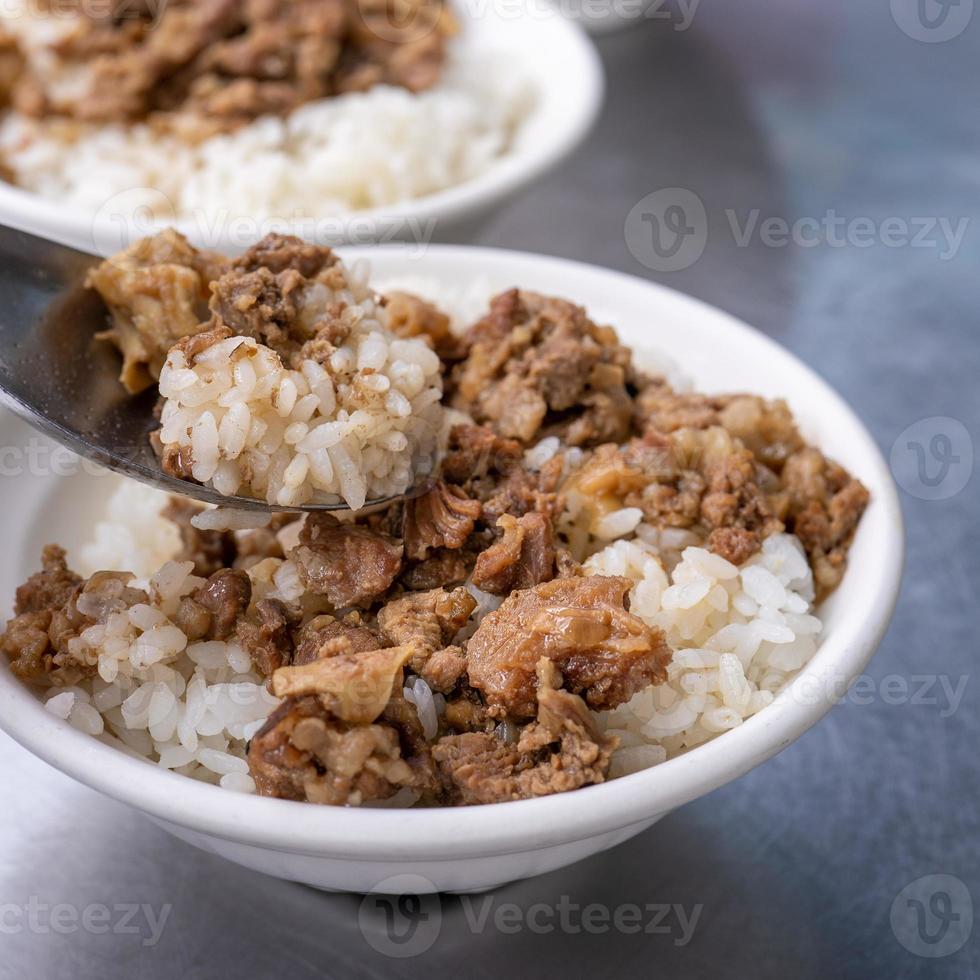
[[553, 53]]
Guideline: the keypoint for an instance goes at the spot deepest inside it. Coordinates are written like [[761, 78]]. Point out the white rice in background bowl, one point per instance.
[[352, 152]]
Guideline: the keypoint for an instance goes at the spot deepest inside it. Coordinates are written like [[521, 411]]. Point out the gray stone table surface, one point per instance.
[[856, 126]]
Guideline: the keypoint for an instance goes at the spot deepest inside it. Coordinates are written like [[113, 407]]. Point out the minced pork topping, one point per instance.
[[456, 646]]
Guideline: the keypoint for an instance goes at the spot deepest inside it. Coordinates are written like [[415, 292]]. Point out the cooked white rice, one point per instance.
[[189, 707], [329, 157], [131, 535], [739, 635], [363, 425]]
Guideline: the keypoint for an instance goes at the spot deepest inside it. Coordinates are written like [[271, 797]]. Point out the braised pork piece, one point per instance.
[[207, 66], [474, 585]]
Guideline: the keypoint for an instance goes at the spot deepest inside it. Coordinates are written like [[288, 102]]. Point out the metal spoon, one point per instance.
[[56, 376]]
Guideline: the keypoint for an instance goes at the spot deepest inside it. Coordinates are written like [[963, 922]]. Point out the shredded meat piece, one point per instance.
[[444, 668], [734, 501], [286, 253], [466, 712], [443, 567], [561, 751], [701, 479], [49, 588], [525, 491], [665, 477], [607, 410], [441, 517], [176, 461], [264, 294], [157, 293], [825, 505], [27, 640], [226, 595], [192, 618], [326, 636], [260, 304], [268, 641], [532, 356], [490, 469], [410, 316], [734, 544], [428, 619], [477, 457], [303, 752], [26, 643], [659, 408], [766, 428], [349, 564], [478, 766], [414, 746], [206, 66], [355, 687], [522, 558], [582, 756], [584, 626], [47, 617], [209, 550]]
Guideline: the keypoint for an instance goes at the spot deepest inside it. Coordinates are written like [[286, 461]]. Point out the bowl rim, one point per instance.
[[445, 834], [87, 229]]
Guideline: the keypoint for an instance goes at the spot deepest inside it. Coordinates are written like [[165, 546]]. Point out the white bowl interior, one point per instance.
[[562, 68], [718, 354]]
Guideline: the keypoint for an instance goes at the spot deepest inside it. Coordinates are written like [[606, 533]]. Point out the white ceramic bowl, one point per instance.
[[552, 52], [479, 847]]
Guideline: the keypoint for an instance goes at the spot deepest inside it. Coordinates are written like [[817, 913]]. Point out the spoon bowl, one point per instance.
[[64, 382]]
